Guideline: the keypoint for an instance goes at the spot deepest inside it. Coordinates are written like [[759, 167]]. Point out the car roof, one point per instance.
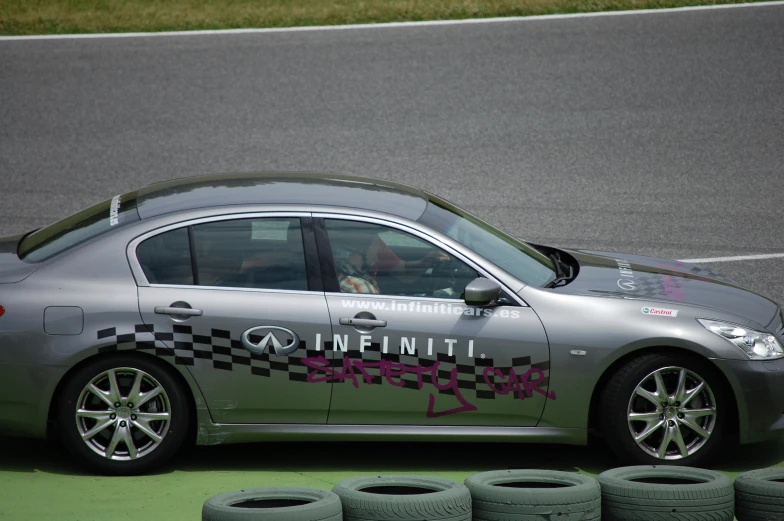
[[296, 188]]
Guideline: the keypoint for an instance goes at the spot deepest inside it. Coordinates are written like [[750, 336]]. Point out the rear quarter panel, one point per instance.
[[95, 277]]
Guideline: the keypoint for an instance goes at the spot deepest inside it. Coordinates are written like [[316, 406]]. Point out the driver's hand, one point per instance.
[[436, 256]]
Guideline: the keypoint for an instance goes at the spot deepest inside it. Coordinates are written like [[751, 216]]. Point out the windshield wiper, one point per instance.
[[561, 276]]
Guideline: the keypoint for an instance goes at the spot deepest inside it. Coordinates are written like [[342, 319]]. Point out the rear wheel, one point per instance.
[[664, 409], [122, 415]]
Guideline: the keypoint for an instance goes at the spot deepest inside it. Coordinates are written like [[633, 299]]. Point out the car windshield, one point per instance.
[[77, 228], [517, 258]]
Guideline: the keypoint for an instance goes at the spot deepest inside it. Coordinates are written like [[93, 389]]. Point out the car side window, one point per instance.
[[263, 253], [376, 259], [166, 258]]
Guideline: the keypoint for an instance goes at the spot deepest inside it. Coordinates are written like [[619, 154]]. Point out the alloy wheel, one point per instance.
[[123, 414], [671, 413]]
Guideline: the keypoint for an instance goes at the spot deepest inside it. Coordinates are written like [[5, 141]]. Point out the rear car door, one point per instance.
[[236, 300], [407, 349]]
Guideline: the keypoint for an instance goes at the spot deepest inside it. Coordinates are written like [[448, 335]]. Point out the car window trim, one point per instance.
[[331, 282], [309, 242], [308, 245], [192, 250], [234, 288], [396, 297], [326, 257]]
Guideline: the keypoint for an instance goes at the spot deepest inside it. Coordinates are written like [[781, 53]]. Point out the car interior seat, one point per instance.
[[285, 262]]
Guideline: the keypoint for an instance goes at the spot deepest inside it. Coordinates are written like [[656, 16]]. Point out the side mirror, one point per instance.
[[482, 292]]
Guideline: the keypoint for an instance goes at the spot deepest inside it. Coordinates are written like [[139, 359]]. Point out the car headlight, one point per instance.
[[758, 345]]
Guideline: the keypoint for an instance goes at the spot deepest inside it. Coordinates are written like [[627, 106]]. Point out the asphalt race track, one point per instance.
[[661, 134]]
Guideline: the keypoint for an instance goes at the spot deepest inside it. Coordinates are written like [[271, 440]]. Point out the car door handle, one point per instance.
[[167, 310], [363, 322]]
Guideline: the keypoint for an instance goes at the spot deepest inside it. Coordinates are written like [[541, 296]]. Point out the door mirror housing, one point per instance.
[[482, 292]]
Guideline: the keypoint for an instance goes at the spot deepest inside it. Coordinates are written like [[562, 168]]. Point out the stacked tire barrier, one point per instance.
[[534, 494], [759, 495], [274, 504], [403, 498], [666, 493], [638, 493]]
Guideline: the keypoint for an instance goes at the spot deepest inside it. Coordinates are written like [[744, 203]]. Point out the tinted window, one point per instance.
[[166, 258], [79, 227], [370, 258], [511, 255], [252, 253]]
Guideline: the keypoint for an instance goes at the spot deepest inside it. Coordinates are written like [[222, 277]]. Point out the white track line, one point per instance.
[[738, 258], [426, 23]]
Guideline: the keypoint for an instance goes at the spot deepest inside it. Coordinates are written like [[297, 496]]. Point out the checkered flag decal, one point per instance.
[[227, 354], [217, 347], [650, 286], [653, 285], [706, 273]]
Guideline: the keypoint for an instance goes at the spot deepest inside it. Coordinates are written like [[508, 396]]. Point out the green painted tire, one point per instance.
[[759, 495], [273, 504], [403, 498], [534, 495], [653, 493]]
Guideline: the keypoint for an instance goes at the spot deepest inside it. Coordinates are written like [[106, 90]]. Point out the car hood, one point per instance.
[[666, 281], [12, 268]]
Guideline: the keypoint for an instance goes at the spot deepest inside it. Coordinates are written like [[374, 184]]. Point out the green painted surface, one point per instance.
[[38, 483], [90, 16]]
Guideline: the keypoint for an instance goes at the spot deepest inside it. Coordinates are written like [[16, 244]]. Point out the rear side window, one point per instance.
[[166, 258], [265, 253], [80, 227]]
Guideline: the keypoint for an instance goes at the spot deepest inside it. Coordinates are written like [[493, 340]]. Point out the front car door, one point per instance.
[[407, 350], [256, 309]]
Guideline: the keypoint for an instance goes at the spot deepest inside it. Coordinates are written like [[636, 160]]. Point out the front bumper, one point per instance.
[[759, 391], [25, 394]]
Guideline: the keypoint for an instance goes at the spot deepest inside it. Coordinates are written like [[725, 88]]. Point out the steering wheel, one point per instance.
[[441, 272]]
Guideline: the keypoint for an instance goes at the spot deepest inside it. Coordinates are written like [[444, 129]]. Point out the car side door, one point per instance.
[[407, 349], [238, 301]]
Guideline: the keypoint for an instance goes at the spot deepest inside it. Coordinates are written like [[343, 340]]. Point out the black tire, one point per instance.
[[533, 495], [151, 457], [274, 504], [759, 495], [403, 498], [651, 493], [616, 398]]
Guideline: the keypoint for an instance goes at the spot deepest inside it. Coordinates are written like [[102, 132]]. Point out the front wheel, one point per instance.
[[664, 410], [122, 415]]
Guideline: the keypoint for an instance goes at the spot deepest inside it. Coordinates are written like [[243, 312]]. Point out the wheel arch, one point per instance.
[[190, 398], [594, 407]]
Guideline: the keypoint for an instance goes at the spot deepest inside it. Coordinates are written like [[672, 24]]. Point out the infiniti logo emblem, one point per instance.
[[627, 284], [271, 335]]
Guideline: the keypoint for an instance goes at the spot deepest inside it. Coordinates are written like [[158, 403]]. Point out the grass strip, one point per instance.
[[28, 17], [39, 482]]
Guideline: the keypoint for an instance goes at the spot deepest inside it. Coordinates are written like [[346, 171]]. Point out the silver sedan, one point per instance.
[[248, 307]]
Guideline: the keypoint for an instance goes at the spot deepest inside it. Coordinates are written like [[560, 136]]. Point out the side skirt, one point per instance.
[[216, 434]]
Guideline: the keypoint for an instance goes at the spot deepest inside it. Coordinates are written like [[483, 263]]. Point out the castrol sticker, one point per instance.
[[662, 312]]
